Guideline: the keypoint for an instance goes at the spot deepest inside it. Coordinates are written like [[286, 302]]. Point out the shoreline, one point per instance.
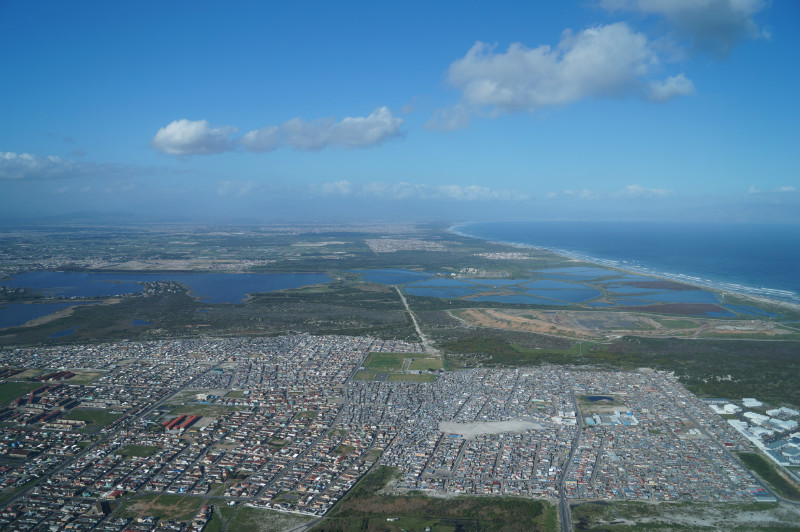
[[613, 265]]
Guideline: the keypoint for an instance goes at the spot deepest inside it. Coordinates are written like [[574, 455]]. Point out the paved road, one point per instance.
[[564, 511], [426, 345]]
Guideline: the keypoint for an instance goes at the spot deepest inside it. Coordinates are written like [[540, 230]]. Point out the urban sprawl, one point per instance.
[[283, 424]]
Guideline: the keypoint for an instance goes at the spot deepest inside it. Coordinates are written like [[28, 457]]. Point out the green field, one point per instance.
[[84, 377], [97, 419], [385, 361], [259, 520], [412, 377], [162, 506], [364, 509], [422, 364], [11, 390], [138, 450]]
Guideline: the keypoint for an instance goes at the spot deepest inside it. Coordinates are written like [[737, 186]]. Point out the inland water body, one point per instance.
[[206, 287]]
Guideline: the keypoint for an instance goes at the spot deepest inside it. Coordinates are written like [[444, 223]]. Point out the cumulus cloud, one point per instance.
[[404, 190], [610, 61], [192, 137], [236, 189], [350, 132], [672, 87], [715, 26], [28, 166], [262, 140], [197, 137], [599, 61]]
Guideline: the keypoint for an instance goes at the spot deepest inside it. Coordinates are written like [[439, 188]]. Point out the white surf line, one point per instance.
[[425, 344]]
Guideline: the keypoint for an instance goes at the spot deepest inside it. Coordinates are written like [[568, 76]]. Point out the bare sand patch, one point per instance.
[[605, 325], [57, 315], [470, 430]]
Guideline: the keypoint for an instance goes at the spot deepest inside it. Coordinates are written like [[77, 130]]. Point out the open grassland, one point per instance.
[[84, 377], [425, 364], [385, 361], [412, 377], [11, 390], [162, 506], [138, 450], [260, 520], [97, 419], [364, 508], [400, 367]]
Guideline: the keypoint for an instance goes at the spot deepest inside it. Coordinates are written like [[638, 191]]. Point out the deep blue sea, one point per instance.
[[757, 259]]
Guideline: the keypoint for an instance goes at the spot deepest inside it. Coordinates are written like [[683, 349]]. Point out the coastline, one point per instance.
[[732, 289]]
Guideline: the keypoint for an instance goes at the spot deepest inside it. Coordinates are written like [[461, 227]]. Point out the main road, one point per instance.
[[425, 343]]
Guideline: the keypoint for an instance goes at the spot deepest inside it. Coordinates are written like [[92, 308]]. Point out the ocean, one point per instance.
[[761, 260]]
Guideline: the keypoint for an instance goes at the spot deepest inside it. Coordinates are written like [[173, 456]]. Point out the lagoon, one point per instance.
[[16, 314], [207, 287]]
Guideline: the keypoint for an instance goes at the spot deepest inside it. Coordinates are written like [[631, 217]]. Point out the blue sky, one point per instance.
[[608, 109]]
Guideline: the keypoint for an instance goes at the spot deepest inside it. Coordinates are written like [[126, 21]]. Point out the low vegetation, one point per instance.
[[364, 508], [767, 370], [11, 390]]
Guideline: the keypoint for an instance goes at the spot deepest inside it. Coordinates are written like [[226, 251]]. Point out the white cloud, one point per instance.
[[348, 133], [788, 188], [753, 190], [715, 26], [603, 61], [627, 192], [610, 61], [473, 193], [404, 191], [192, 137], [638, 191], [236, 189], [29, 166], [262, 140], [584, 193], [672, 87], [340, 188]]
